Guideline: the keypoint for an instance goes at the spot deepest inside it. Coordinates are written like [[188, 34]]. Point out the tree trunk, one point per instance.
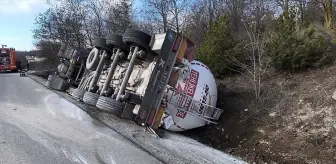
[[211, 13], [164, 18], [328, 14], [286, 9], [302, 12]]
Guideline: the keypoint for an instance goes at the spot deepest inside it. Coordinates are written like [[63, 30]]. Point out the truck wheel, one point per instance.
[[61, 50], [115, 41], [111, 105], [92, 60], [100, 43], [137, 37], [90, 98], [48, 83], [78, 94]]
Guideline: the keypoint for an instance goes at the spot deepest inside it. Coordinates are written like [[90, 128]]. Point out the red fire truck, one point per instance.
[[7, 59]]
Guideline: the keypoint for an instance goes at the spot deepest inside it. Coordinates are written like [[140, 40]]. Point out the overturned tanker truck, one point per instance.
[[152, 80]]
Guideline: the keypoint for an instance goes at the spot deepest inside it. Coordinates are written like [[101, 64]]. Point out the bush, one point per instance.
[[294, 50], [219, 48]]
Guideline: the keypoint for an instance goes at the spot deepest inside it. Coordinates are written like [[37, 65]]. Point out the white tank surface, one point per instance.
[[196, 94]]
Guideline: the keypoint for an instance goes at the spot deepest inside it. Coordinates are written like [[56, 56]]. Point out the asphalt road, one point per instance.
[[37, 126]]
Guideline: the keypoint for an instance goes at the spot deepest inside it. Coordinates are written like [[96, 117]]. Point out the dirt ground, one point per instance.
[[295, 121]]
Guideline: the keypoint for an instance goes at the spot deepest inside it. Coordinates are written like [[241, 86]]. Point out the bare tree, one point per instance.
[[98, 10], [257, 63], [178, 12], [235, 9], [201, 17], [120, 16], [166, 14], [158, 10], [302, 8], [327, 6], [83, 11], [258, 14]]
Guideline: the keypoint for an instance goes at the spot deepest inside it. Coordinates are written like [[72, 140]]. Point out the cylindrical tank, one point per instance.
[[200, 86]]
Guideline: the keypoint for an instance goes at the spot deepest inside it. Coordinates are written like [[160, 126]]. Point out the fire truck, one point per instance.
[[7, 59]]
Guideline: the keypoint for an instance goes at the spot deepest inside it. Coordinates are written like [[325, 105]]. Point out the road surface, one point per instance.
[[37, 126]]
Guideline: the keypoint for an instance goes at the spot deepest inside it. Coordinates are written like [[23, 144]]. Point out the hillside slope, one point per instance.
[[295, 122]]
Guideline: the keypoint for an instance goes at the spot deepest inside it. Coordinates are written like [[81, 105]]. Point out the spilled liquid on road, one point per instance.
[[53, 129]]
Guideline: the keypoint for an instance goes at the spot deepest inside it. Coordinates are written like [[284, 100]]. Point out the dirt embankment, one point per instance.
[[295, 121]]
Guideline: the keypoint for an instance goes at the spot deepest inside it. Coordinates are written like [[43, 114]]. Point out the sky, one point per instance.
[[17, 19]]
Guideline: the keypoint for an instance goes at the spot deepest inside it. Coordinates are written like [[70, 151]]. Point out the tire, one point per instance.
[[100, 43], [78, 94], [70, 90], [137, 37], [50, 77], [90, 98], [93, 60], [68, 52], [62, 68], [110, 105], [48, 84], [63, 47], [115, 41], [61, 50], [75, 54]]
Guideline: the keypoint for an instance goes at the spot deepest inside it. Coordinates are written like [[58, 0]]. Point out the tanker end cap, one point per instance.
[[192, 101]]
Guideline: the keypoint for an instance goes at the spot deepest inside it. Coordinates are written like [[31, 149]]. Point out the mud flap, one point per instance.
[[127, 113], [58, 83], [158, 117]]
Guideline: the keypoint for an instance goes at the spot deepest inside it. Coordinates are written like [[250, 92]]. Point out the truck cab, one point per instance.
[[7, 59]]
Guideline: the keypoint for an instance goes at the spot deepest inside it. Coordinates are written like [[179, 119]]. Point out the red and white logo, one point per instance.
[[189, 88]]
